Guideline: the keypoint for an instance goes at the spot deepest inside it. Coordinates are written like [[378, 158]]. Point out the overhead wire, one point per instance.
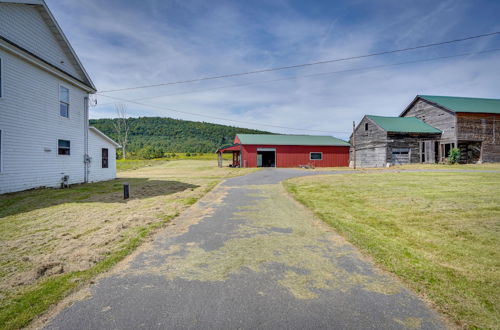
[[376, 67], [304, 64]]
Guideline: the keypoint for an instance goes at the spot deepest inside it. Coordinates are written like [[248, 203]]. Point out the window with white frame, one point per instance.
[[316, 156], [63, 147], [1, 77], [1, 151], [64, 101]]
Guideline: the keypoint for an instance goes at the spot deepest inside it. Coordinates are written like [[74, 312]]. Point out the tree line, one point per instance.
[[156, 137]]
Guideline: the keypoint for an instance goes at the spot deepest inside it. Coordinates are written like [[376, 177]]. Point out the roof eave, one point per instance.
[[104, 136], [46, 9], [66, 41], [419, 97]]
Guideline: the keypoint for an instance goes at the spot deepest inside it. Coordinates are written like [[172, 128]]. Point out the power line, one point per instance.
[[217, 118], [274, 80], [305, 64], [310, 75]]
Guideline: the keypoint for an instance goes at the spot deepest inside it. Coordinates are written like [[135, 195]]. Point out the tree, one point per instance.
[[121, 127]]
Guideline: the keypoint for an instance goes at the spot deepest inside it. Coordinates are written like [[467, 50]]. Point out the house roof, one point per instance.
[[104, 136], [403, 124], [292, 140], [57, 31], [464, 104]]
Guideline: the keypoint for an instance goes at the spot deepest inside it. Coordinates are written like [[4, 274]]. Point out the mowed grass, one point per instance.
[[439, 232], [133, 164], [55, 241]]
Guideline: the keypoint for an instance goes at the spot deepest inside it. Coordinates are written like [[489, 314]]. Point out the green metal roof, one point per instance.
[[465, 104], [291, 140], [403, 124]]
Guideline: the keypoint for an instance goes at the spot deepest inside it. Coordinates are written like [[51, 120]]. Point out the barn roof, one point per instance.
[[464, 104], [403, 124], [291, 140]]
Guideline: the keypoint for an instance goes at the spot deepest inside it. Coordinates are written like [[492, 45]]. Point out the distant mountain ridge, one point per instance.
[[166, 135]]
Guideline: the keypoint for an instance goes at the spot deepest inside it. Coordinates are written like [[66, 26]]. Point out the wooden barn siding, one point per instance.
[[371, 145], [481, 127], [408, 140], [293, 156], [436, 117]]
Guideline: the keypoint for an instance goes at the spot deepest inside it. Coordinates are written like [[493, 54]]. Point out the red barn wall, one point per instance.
[[293, 156]]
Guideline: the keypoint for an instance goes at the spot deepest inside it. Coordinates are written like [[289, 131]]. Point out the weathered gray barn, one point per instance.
[[470, 124], [427, 130], [379, 141]]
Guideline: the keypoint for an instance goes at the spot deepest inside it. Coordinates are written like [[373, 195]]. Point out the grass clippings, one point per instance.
[[55, 240]]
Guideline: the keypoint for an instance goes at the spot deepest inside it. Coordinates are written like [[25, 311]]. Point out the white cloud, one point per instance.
[[127, 45]]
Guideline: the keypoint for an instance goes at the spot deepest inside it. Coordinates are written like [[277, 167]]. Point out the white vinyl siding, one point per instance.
[[30, 156], [25, 26], [96, 171]]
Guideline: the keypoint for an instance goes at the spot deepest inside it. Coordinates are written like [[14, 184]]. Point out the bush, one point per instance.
[[149, 152], [188, 154], [454, 156]]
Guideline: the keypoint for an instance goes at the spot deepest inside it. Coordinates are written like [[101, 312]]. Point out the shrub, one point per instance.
[[454, 155]]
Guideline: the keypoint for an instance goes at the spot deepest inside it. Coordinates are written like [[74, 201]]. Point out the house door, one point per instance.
[[400, 156]]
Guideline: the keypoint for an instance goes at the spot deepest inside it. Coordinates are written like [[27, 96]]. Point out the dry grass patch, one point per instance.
[[53, 240], [439, 232]]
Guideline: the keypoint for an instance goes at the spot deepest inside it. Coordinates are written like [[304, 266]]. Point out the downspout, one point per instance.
[[86, 158]]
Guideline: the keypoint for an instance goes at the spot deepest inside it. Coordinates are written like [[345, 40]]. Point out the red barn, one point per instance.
[[269, 150]]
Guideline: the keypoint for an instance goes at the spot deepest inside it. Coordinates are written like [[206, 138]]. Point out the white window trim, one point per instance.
[[2, 138], [57, 148], [2, 77], [315, 152], [59, 100]]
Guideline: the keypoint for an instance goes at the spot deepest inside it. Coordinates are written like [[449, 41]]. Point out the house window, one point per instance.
[[366, 126], [316, 156], [1, 77], [1, 151], [63, 147], [104, 158], [64, 101]]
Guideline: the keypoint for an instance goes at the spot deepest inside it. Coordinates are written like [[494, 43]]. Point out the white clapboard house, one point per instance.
[[45, 139]]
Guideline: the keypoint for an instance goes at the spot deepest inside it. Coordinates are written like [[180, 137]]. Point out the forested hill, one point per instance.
[[166, 135]]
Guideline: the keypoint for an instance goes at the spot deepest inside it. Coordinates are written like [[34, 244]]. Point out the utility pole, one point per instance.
[[353, 145]]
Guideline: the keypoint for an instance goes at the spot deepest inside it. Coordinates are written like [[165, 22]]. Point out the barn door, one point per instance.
[[429, 152], [400, 156]]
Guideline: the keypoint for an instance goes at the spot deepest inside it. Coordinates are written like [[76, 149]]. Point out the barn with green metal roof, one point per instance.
[[278, 150], [427, 130]]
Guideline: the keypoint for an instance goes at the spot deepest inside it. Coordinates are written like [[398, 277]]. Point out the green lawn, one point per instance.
[[55, 240], [439, 232], [133, 164]]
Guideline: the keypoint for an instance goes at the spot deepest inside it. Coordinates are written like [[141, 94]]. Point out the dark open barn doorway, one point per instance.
[[266, 158]]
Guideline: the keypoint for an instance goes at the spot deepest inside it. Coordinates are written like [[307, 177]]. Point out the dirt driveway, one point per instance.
[[247, 256]]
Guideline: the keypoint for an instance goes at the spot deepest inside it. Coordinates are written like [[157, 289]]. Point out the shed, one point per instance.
[[274, 150], [380, 141]]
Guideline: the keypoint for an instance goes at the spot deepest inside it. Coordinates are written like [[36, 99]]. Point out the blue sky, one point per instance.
[[129, 43]]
